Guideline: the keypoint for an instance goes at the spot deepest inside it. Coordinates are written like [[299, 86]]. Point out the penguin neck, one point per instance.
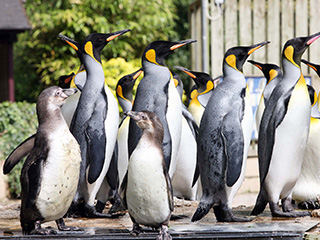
[[233, 76], [154, 69], [47, 113], [153, 136], [125, 104], [95, 76], [291, 73]]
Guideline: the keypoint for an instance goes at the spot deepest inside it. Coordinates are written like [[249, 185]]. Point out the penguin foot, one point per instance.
[[287, 205], [117, 205], [100, 206], [136, 229], [163, 234], [224, 214], [62, 227], [41, 231], [201, 211], [90, 212], [310, 204], [275, 211]]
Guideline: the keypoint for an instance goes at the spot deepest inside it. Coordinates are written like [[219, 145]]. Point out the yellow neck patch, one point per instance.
[[272, 73], [120, 93], [88, 48], [151, 56], [209, 87], [72, 83], [193, 94], [176, 82], [232, 60], [288, 53]]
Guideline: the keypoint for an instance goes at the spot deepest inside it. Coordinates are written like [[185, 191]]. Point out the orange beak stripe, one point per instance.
[[177, 46], [137, 75], [72, 45]]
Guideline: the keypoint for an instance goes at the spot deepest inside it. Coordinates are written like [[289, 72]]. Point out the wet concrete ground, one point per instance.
[[261, 227]]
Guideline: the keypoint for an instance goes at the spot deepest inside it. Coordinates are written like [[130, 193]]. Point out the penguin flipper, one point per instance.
[[169, 188], [123, 191], [18, 153], [191, 121], [233, 142], [113, 174], [270, 120]]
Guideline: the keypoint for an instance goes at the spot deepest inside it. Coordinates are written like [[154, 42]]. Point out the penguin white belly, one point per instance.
[[308, 184], [147, 194], [123, 156], [186, 165], [259, 113], [69, 107], [111, 127], [60, 175], [247, 127], [196, 111], [289, 146], [174, 119]]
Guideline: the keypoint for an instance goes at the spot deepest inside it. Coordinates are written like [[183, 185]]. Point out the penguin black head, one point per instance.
[[157, 51], [125, 85], [65, 80], [314, 66], [295, 47], [202, 80], [148, 122], [270, 71], [235, 57]]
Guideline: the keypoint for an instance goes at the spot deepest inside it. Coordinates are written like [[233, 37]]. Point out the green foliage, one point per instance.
[[18, 121], [40, 57]]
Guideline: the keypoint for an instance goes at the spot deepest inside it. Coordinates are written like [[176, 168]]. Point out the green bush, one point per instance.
[[18, 121]]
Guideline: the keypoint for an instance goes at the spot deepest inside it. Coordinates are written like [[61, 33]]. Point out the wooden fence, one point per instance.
[[246, 22]]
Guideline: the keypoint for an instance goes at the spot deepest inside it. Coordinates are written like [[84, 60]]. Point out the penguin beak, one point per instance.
[[255, 64], [181, 43], [134, 115], [315, 67], [187, 71], [69, 91], [257, 46], [312, 38], [137, 74], [116, 34], [75, 45]]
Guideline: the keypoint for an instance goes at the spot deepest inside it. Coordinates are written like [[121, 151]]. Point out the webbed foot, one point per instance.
[[62, 227]]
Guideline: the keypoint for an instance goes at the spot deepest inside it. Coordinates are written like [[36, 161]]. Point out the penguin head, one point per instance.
[[149, 122], [203, 80], [295, 47], [65, 80], [125, 85], [95, 42], [235, 57], [74, 44], [270, 71], [157, 51], [314, 66]]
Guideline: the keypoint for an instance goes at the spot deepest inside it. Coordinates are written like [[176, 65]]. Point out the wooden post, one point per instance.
[[10, 73]]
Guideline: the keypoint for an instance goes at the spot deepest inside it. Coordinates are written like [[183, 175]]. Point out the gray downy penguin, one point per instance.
[[283, 133], [94, 124], [224, 137], [156, 93], [50, 174], [306, 192], [147, 191], [273, 75]]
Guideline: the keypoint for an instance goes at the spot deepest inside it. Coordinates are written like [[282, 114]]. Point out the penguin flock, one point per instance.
[[83, 154]]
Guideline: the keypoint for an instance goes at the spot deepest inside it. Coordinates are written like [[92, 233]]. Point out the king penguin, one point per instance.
[[50, 174], [124, 95], [186, 169], [202, 92], [157, 93], [306, 192], [147, 188], [94, 124], [273, 75], [224, 137], [283, 133]]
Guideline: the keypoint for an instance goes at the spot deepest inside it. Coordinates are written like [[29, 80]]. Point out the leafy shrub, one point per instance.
[[18, 121]]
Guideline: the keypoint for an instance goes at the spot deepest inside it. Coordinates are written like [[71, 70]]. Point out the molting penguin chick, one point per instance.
[[50, 174], [283, 133], [224, 137], [147, 190]]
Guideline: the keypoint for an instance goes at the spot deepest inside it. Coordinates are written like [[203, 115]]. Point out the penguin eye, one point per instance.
[[58, 93], [144, 117]]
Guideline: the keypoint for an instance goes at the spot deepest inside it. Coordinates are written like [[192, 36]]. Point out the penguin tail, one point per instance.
[[201, 211], [261, 204]]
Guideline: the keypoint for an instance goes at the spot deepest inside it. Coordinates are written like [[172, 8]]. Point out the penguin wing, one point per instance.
[[32, 172], [169, 188], [271, 119], [233, 141], [113, 174], [123, 191], [96, 139], [18, 154]]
